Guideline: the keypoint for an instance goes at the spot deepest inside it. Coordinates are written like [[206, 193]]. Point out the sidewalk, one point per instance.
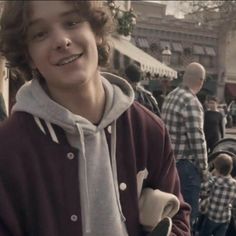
[[230, 130]]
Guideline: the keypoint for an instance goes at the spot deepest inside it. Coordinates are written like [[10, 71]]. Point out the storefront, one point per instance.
[[124, 52]]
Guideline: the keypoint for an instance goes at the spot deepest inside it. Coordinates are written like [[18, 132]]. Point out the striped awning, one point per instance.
[[147, 62], [210, 51], [143, 43], [198, 50], [177, 47]]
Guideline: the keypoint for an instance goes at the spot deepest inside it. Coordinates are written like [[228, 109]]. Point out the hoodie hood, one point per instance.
[[32, 98], [96, 165]]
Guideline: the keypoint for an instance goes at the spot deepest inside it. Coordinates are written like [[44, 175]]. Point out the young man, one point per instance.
[[183, 115], [219, 197], [76, 151]]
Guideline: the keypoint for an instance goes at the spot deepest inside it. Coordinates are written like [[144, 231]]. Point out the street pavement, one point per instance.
[[230, 132]]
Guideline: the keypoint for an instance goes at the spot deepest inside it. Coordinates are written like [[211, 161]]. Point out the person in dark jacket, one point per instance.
[[77, 151], [143, 96], [3, 113], [213, 123]]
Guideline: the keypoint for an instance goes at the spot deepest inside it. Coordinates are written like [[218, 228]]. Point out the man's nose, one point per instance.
[[61, 41]]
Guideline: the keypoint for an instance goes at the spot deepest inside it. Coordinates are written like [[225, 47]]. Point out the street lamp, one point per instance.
[[166, 55]]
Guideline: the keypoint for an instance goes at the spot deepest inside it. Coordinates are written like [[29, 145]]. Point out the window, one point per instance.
[[126, 61], [165, 44], [205, 61], [175, 58], [153, 47], [210, 51], [177, 47], [198, 50]]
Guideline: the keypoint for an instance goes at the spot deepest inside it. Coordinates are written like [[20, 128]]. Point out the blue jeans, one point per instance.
[[190, 181], [211, 228]]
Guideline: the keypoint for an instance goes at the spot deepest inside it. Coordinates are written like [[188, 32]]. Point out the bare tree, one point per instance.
[[219, 13]]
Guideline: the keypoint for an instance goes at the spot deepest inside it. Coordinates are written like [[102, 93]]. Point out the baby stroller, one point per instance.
[[226, 145]]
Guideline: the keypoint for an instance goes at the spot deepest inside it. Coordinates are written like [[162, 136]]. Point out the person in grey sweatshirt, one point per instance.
[[77, 150]]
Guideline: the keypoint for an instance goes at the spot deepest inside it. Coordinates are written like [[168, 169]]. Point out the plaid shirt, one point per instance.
[[221, 194], [183, 115]]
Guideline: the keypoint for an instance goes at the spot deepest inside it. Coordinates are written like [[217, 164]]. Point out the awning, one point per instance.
[[143, 43], [147, 62], [210, 51], [133, 41], [165, 44], [230, 88], [177, 47], [198, 50]]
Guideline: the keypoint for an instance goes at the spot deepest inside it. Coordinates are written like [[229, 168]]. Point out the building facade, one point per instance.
[[188, 40], [125, 52]]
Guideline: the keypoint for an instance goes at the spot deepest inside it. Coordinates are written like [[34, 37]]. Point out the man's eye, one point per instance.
[[39, 35], [71, 23]]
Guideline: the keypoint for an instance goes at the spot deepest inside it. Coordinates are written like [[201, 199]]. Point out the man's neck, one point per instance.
[[87, 101]]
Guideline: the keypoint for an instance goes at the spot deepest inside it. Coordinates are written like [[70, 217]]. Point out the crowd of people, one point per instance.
[[194, 131], [86, 152]]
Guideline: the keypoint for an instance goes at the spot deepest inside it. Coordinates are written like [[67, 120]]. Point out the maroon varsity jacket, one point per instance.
[[39, 193]]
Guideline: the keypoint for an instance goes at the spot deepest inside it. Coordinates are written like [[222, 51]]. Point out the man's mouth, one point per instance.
[[68, 60]]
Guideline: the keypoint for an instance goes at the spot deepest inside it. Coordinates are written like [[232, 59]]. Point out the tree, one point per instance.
[[218, 13]]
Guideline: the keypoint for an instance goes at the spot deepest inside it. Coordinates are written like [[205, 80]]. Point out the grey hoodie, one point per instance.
[[101, 209]]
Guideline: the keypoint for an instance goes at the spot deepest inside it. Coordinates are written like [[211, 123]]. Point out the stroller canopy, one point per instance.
[[228, 146]]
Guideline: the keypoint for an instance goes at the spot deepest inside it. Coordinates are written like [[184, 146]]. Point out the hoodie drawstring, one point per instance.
[[83, 181], [114, 167]]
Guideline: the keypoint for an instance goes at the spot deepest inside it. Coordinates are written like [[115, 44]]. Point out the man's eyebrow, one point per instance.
[[63, 14]]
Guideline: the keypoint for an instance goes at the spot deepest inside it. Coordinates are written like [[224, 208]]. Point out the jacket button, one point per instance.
[[74, 218], [123, 186], [70, 155], [109, 129]]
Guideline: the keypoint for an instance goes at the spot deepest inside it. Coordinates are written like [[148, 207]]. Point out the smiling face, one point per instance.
[[61, 45]]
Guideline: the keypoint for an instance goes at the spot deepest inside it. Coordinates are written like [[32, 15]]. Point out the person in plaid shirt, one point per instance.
[[218, 197], [182, 113]]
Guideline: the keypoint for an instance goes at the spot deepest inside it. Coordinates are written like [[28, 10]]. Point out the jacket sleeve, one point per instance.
[[9, 219], [163, 175], [4, 231]]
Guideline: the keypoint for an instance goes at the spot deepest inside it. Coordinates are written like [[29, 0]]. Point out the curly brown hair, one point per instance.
[[14, 24]]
